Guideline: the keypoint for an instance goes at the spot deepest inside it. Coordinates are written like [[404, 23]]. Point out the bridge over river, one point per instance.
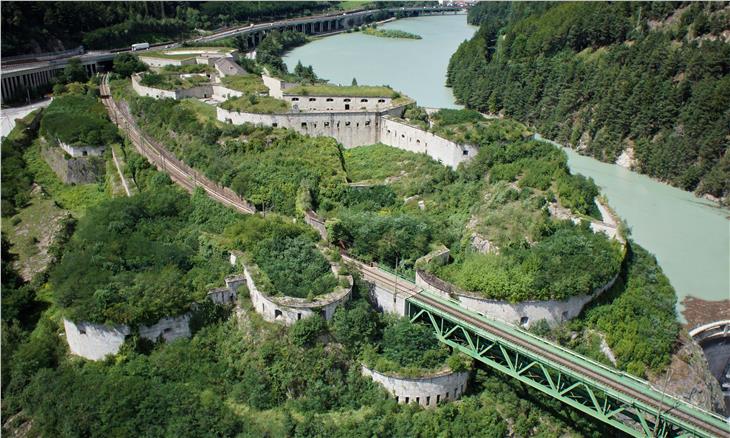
[[27, 72], [627, 403]]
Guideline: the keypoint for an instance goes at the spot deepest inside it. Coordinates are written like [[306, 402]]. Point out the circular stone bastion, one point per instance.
[[288, 310], [427, 391]]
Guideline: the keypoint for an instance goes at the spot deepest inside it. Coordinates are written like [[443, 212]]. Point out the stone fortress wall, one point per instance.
[[215, 91], [523, 313], [289, 310], [526, 312], [96, 341], [82, 151], [197, 56], [337, 103], [427, 391], [352, 121], [398, 134], [352, 129]]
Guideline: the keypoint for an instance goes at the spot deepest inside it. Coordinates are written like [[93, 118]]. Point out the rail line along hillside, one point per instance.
[[179, 172], [629, 404]]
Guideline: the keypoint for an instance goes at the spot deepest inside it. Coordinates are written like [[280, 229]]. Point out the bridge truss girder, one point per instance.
[[611, 407]]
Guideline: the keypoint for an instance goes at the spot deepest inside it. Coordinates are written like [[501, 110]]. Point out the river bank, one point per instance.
[[690, 236]]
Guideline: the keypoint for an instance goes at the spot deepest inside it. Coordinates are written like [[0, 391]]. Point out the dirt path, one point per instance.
[[121, 175]]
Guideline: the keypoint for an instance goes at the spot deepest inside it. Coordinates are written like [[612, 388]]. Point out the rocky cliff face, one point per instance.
[[689, 378]]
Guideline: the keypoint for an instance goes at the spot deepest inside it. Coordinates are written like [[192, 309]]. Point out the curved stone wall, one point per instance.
[[94, 341], [427, 391], [523, 313], [401, 135], [289, 310]]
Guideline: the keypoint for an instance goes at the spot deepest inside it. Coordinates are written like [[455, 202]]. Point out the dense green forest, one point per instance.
[[50, 26], [607, 77]]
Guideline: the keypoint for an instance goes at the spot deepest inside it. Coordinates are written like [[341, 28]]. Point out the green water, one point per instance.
[[414, 67], [689, 236]]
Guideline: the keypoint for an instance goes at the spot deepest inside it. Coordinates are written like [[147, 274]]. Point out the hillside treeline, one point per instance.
[[32, 27], [610, 77]]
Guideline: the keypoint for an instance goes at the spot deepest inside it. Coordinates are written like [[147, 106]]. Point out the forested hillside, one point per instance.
[[646, 80], [30, 27]]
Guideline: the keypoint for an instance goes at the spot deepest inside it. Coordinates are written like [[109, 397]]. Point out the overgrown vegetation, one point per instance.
[[412, 350], [342, 90], [173, 81], [606, 77], [253, 103], [570, 261], [636, 317], [266, 166], [78, 120], [134, 260], [285, 253], [389, 33], [16, 179]]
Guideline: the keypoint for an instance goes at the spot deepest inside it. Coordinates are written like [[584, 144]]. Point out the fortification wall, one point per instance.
[[524, 313], [153, 61], [288, 310], [200, 92], [168, 328], [316, 222], [350, 129], [94, 341], [387, 301], [426, 391], [223, 93], [81, 170], [276, 86], [157, 93], [337, 103], [82, 151], [403, 136]]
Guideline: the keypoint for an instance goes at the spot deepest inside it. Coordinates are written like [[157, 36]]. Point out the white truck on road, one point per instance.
[[140, 46]]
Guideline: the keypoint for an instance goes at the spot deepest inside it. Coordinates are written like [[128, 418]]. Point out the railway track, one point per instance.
[[190, 179], [658, 402], [179, 172]]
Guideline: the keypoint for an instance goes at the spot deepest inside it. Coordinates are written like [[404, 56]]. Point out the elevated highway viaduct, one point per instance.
[[23, 74]]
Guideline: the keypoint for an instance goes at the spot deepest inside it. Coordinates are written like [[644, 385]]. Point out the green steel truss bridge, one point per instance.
[[627, 403]]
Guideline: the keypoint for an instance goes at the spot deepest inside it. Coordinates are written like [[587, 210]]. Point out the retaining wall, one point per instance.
[[81, 170], [200, 92], [349, 128], [168, 328], [289, 310], [426, 391], [314, 221], [387, 301], [94, 341], [400, 135], [524, 313], [82, 151]]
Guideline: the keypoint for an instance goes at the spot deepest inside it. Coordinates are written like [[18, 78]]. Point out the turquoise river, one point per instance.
[[689, 236]]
